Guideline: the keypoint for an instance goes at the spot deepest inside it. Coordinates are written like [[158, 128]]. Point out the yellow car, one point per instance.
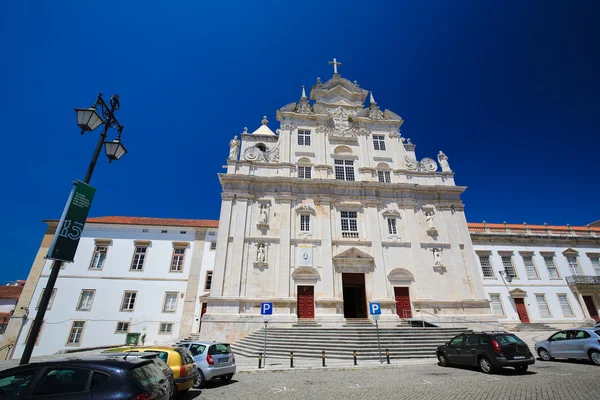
[[179, 359]]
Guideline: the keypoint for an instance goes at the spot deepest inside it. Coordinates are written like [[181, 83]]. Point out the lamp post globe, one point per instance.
[[114, 150], [88, 119]]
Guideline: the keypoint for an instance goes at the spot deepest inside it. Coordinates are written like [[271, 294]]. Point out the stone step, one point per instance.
[[304, 330], [355, 343], [362, 354], [350, 337]]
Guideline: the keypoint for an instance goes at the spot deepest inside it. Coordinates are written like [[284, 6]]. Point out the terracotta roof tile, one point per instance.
[[10, 292], [554, 228], [191, 223]]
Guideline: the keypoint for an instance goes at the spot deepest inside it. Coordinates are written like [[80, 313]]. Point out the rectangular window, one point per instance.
[[304, 172], [486, 266], [170, 304], [564, 305], [303, 137], [596, 264], [544, 310], [379, 142], [208, 283], [165, 328], [37, 340], [384, 176], [139, 257], [530, 267], [573, 266], [349, 224], [496, 304], [552, 271], [344, 170], [76, 332], [122, 327], [177, 260], [99, 257], [128, 301], [51, 299], [213, 245], [392, 226], [85, 300], [509, 268], [304, 223]]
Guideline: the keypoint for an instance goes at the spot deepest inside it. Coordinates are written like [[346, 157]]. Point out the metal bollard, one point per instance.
[[387, 355], [259, 360], [291, 359], [355, 363], [323, 357]]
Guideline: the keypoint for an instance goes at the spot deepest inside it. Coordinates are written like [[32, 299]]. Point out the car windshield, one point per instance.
[[505, 340], [220, 348]]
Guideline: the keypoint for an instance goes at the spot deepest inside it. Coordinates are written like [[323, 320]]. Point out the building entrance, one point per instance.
[[355, 298]]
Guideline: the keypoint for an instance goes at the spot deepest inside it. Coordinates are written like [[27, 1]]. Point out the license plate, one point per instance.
[[223, 360], [519, 357]]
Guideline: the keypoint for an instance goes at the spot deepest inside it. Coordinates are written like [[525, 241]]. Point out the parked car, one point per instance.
[[85, 378], [490, 351], [214, 360], [579, 343], [597, 325], [166, 370], [180, 361]]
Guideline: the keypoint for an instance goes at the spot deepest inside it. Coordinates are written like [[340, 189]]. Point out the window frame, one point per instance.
[[80, 336], [499, 302], [305, 223], [164, 307], [379, 143], [384, 176], [51, 302], [117, 331], [346, 167], [491, 265], [173, 258], [123, 301], [551, 257], [392, 225], [77, 306], [208, 282], [566, 296], [537, 300], [145, 254], [160, 332], [512, 266], [303, 135], [211, 247], [596, 265], [530, 255], [575, 264], [348, 232], [37, 340], [304, 168], [96, 251]]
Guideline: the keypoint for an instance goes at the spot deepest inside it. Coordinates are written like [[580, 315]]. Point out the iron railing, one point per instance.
[[583, 280]]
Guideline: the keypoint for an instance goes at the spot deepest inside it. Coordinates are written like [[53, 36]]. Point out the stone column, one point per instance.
[[423, 290], [285, 225], [323, 213], [233, 282], [191, 290], [218, 282], [374, 225]]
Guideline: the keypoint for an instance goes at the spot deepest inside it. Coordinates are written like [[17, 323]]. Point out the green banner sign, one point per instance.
[[71, 223]]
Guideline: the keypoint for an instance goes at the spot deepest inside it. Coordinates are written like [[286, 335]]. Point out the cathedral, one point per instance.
[[334, 210]]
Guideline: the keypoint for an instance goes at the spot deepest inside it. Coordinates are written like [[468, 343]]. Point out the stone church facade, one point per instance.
[[332, 211]]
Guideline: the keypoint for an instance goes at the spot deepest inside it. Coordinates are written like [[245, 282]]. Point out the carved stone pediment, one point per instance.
[[518, 293], [305, 209], [306, 274], [354, 260], [390, 213], [401, 274]]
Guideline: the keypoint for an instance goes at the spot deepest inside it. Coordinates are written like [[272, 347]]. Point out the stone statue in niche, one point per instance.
[[234, 147], [437, 257], [443, 160], [429, 217], [262, 219], [260, 255]]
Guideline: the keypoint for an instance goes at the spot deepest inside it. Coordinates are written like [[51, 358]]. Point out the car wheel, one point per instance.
[[544, 354], [442, 359], [595, 356], [226, 378], [521, 368], [199, 384], [486, 365]]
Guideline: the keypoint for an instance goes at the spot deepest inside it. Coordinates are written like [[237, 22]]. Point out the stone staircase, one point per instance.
[[194, 337], [339, 343], [532, 327]]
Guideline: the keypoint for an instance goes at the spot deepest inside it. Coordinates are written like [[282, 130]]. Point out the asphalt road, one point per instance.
[[544, 380]]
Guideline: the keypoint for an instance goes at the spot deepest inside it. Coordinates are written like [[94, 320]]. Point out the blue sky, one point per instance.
[[509, 91]]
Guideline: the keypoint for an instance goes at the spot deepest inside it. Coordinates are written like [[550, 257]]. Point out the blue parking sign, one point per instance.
[[375, 308], [266, 308]]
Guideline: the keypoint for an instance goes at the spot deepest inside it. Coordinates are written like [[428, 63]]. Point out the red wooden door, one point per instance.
[[306, 302], [403, 307], [202, 312], [589, 303], [522, 310]]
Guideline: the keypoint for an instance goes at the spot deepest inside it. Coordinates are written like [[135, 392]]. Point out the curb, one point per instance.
[[335, 367]]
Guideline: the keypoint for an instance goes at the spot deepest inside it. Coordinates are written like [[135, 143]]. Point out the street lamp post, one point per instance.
[[88, 119]]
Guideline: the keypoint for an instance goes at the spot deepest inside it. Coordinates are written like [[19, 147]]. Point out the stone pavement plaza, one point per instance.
[[544, 380]]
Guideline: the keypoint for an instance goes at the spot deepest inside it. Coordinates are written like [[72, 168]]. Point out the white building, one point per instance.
[[555, 272], [332, 211], [129, 275]]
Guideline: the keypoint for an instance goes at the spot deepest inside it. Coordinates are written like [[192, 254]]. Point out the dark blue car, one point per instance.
[[79, 379]]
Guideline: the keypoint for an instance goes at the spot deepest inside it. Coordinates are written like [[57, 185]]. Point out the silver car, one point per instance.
[[214, 360], [578, 343]]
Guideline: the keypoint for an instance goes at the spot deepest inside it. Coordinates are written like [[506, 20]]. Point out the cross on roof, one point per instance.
[[335, 65]]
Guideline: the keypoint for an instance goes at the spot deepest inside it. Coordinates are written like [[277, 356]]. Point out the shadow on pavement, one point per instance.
[[508, 371], [195, 393], [568, 361]]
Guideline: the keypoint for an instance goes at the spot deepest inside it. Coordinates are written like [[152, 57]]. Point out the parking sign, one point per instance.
[[266, 308], [375, 308]]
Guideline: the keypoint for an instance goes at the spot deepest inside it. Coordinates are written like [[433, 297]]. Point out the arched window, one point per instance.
[[384, 173], [304, 168]]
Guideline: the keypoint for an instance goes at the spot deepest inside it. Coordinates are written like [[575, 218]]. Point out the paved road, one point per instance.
[[544, 380]]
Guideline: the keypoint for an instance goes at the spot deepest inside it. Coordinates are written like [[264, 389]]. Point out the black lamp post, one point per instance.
[[507, 276], [88, 119]]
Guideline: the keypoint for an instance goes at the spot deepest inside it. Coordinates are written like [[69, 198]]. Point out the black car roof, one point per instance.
[[85, 362]]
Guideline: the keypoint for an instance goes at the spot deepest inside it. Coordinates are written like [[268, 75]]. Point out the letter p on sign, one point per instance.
[[266, 308], [375, 308]]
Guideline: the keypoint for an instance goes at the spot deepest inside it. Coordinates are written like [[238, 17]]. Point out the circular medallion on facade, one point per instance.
[[429, 164], [305, 255], [251, 153]]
